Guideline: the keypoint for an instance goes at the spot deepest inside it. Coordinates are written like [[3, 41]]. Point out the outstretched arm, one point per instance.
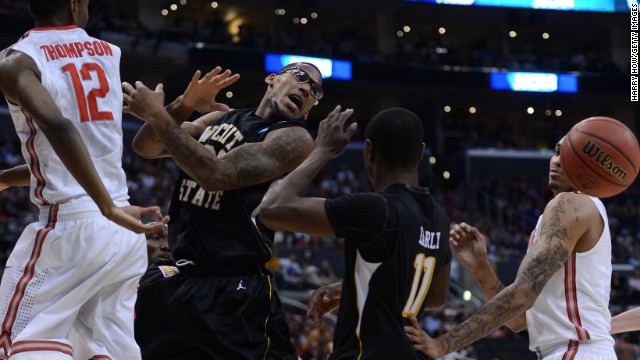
[[565, 220], [19, 81], [626, 321], [16, 176], [199, 96], [246, 165], [286, 207]]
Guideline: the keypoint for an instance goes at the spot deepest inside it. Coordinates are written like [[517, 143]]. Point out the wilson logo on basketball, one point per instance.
[[594, 151]]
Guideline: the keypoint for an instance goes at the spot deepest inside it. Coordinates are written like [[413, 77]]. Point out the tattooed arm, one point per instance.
[[199, 96], [566, 219], [249, 164], [148, 144], [471, 247]]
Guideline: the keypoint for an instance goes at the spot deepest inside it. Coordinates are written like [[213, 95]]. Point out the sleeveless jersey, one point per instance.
[[396, 243], [82, 75], [573, 307], [215, 229]]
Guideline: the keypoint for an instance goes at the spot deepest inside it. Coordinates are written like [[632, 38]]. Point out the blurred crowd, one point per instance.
[[359, 43]]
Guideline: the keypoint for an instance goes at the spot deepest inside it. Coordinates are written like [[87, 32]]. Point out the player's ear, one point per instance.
[[368, 150], [421, 153], [270, 79]]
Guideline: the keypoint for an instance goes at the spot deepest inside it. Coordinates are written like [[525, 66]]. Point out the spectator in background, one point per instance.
[[292, 272], [633, 284]]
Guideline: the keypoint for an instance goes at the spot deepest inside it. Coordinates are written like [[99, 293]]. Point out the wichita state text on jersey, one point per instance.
[[227, 136], [215, 229]]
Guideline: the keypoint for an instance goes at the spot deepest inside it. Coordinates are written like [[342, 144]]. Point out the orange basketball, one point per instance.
[[600, 156]]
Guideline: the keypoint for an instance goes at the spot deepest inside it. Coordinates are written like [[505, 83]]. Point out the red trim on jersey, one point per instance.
[[571, 297], [97, 357], [18, 295], [5, 342], [48, 28], [41, 345], [572, 350], [35, 162]]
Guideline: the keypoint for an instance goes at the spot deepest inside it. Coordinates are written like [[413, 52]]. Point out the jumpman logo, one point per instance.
[[240, 286]]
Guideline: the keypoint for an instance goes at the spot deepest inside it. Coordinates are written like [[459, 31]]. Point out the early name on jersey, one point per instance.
[[428, 239]]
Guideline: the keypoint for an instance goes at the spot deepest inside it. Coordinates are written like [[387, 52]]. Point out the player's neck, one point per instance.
[[384, 179], [52, 22]]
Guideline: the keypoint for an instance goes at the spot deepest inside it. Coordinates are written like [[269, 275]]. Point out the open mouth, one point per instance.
[[297, 100]]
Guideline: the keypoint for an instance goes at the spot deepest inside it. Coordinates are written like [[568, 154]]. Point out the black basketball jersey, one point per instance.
[[215, 229], [396, 244]]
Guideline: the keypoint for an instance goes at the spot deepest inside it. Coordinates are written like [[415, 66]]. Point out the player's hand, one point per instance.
[[3, 186], [332, 135], [201, 93], [422, 342], [323, 300], [129, 217], [142, 102], [469, 244]]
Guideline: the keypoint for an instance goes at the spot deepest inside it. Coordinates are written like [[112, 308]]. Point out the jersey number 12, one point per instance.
[[424, 273], [88, 105]]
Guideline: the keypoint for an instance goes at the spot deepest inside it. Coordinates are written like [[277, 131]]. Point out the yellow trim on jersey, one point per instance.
[[266, 321]]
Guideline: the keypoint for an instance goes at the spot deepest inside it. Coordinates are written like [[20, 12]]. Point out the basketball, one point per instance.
[[600, 156]]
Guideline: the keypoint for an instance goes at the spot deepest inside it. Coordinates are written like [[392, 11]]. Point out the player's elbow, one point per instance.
[[141, 149], [518, 324], [271, 215]]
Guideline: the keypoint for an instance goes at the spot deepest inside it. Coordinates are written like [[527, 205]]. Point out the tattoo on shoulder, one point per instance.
[[544, 264]]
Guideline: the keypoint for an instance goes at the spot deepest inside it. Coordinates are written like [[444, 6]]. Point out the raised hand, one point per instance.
[[469, 243], [323, 300], [332, 136], [142, 102], [201, 93], [129, 217]]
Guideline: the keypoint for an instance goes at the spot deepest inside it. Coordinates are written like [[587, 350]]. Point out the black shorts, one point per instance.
[[210, 317]]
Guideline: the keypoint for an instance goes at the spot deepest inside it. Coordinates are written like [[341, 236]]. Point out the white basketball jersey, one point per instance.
[[574, 305], [82, 75]]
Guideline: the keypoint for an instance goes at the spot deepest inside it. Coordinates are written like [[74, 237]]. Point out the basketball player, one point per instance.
[[561, 291], [74, 269], [222, 304], [396, 258], [158, 245]]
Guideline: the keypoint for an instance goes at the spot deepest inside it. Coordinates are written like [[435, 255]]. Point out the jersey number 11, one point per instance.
[[424, 273]]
